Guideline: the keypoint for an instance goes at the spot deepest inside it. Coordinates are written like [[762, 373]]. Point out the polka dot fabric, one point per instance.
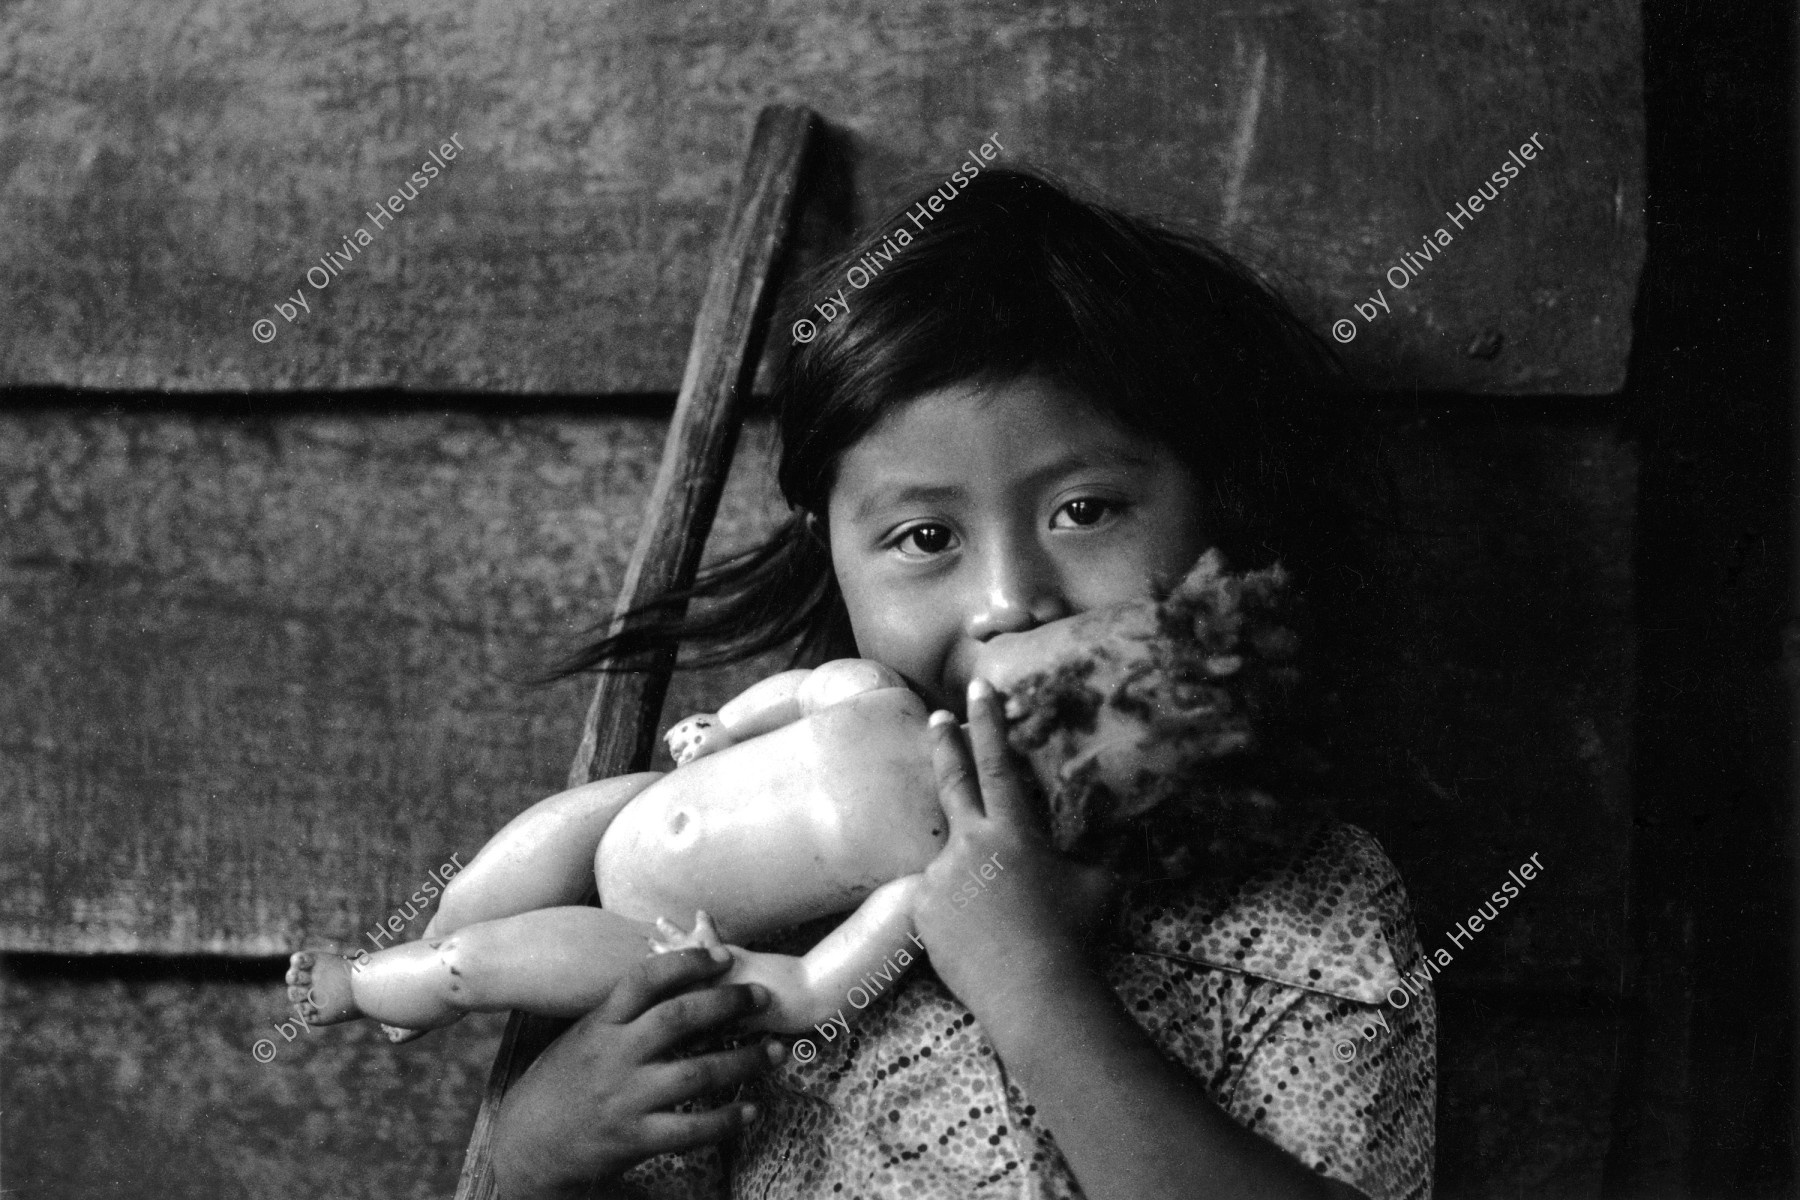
[[1273, 994]]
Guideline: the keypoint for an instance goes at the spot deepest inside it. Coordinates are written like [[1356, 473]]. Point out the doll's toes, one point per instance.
[[319, 985], [299, 974], [398, 1035]]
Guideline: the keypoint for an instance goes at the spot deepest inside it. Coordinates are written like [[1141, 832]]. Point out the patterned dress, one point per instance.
[[1282, 996]]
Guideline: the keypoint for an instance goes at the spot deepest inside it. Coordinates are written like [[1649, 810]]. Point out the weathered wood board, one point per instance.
[[123, 1086], [261, 674], [256, 668], [169, 175]]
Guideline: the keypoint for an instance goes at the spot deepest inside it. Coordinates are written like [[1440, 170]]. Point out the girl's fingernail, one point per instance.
[[748, 1112], [941, 718], [776, 1052], [759, 995], [979, 690], [718, 954]]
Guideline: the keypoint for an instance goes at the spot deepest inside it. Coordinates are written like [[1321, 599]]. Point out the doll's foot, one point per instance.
[[671, 937], [320, 985]]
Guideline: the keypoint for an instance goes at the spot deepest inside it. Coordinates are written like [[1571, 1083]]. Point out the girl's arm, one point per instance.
[[1131, 1124]]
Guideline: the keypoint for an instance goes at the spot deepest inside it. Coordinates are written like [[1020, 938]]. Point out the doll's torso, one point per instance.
[[795, 824]]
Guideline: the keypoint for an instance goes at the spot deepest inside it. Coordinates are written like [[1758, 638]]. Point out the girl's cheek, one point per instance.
[[920, 643]]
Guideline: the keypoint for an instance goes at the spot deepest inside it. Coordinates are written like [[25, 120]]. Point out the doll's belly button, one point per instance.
[[678, 822]]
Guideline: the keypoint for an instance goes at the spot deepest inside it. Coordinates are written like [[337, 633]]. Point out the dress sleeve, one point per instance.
[[1346, 1087], [1298, 1001], [697, 1174]]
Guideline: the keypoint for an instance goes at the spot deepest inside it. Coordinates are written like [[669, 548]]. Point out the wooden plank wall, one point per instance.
[[173, 172], [259, 671], [287, 647], [264, 672], [259, 657]]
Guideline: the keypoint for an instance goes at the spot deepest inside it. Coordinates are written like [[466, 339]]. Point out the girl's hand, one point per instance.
[[597, 1101], [1003, 915]]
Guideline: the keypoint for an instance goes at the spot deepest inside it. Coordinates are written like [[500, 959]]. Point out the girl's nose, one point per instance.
[[1019, 594]]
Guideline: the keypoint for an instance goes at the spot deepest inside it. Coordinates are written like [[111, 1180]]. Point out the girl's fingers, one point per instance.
[[1003, 791], [958, 791], [668, 1084], [657, 977], [666, 1133], [679, 1018]]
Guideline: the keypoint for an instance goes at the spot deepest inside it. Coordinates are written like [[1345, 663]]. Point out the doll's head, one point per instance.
[[1169, 734]]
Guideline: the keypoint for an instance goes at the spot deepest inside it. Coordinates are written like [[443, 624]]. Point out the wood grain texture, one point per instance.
[[618, 731], [728, 333], [121, 1087], [134, 1081], [262, 674], [171, 172], [258, 671]]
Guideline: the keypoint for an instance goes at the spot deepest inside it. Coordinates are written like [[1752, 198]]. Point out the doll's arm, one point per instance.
[[764, 705], [543, 858], [776, 701], [870, 951]]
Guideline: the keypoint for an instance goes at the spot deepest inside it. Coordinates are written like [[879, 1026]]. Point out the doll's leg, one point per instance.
[[558, 962], [543, 858]]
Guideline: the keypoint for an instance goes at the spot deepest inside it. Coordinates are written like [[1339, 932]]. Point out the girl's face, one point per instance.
[[975, 511]]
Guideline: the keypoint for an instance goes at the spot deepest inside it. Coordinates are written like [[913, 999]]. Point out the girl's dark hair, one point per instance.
[[1014, 276]]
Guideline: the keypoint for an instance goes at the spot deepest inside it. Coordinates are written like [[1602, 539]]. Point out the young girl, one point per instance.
[[1036, 408]]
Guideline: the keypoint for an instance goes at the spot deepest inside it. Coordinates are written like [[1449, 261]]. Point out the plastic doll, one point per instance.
[[811, 794]]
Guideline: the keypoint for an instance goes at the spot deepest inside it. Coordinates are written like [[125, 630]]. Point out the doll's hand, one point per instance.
[[696, 737], [671, 937], [1003, 916], [598, 1101]]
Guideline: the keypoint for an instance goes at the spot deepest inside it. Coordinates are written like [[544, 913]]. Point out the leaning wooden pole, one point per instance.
[[734, 317]]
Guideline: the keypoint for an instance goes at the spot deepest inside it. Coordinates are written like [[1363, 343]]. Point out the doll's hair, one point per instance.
[[1160, 331]]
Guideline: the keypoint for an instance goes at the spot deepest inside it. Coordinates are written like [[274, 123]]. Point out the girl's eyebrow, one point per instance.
[[911, 493], [1099, 455]]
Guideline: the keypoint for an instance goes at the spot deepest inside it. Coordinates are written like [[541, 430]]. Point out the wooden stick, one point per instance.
[[722, 360]]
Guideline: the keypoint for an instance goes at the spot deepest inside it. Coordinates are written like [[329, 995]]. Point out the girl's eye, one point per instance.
[[924, 540], [1083, 513]]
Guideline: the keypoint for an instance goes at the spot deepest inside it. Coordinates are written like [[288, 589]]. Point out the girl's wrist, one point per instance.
[[1022, 993]]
